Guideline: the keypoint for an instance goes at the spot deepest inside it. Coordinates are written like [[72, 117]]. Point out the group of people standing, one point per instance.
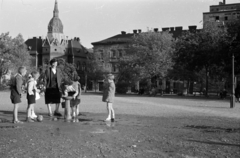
[[55, 90]]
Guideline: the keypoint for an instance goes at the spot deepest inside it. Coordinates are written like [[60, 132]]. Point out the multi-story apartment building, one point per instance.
[[222, 13], [110, 49]]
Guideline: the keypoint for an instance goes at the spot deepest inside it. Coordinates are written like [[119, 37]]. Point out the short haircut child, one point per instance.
[[21, 69], [34, 74], [110, 76]]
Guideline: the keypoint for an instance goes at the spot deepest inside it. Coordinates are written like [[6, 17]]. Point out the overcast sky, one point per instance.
[[95, 20]]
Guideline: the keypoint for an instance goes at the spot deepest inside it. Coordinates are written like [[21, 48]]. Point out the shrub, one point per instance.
[[121, 87]]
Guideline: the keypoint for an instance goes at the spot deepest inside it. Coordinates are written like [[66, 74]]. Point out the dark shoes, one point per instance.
[[29, 120], [57, 114], [112, 119]]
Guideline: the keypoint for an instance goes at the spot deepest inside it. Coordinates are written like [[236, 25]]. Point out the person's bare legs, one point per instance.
[[49, 110], [15, 113], [77, 110], [109, 111], [112, 113], [57, 108], [29, 110]]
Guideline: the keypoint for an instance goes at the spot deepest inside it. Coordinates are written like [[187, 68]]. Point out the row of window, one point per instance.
[[226, 17], [113, 67], [222, 9], [112, 54]]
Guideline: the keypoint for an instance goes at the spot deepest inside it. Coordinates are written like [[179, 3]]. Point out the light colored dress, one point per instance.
[[108, 92]]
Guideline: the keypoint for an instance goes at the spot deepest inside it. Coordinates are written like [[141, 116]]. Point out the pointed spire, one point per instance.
[[55, 11]]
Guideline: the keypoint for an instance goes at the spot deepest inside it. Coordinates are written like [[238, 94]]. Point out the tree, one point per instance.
[[196, 51], [94, 68], [149, 55], [13, 54], [233, 47]]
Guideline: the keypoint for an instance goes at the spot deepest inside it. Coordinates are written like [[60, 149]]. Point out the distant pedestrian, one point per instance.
[[108, 96], [31, 94], [223, 94], [237, 93], [52, 80], [16, 91]]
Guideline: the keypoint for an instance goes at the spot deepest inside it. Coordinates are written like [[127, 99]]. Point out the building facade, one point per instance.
[[57, 45], [111, 49], [222, 13]]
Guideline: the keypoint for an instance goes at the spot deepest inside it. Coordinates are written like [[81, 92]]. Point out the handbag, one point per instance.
[[37, 96]]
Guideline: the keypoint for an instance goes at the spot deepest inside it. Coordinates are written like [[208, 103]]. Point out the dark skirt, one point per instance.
[[52, 96], [14, 96], [74, 102], [31, 98]]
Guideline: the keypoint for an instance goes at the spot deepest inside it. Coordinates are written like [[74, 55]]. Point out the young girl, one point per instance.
[[16, 91], [108, 96], [76, 98], [31, 94]]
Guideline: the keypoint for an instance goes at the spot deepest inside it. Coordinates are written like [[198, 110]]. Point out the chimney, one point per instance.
[[224, 2], [139, 30], [78, 39], [123, 32], [192, 28], [155, 29], [172, 29], [179, 28], [135, 31], [165, 29]]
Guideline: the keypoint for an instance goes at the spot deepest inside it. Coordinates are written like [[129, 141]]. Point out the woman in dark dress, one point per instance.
[[52, 81]]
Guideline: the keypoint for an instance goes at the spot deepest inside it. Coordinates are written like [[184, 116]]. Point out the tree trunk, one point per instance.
[[207, 74], [86, 83], [95, 86]]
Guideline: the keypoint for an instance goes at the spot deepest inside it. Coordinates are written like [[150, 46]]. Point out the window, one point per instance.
[[78, 65], [113, 54], [226, 18], [55, 49], [110, 54], [217, 18], [114, 68], [46, 61], [120, 54]]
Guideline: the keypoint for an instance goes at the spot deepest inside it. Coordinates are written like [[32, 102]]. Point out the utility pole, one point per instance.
[[232, 101]]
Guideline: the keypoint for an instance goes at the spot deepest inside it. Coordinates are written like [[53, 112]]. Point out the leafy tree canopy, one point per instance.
[[13, 54], [149, 55]]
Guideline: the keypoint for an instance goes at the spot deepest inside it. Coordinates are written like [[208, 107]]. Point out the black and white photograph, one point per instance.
[[119, 78]]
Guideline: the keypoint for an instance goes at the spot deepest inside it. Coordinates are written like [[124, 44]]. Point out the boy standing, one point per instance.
[[16, 91]]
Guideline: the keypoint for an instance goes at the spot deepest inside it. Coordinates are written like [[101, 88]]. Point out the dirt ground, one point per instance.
[[145, 127]]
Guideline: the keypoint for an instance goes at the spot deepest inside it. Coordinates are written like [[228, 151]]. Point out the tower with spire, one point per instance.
[[55, 26], [57, 45]]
